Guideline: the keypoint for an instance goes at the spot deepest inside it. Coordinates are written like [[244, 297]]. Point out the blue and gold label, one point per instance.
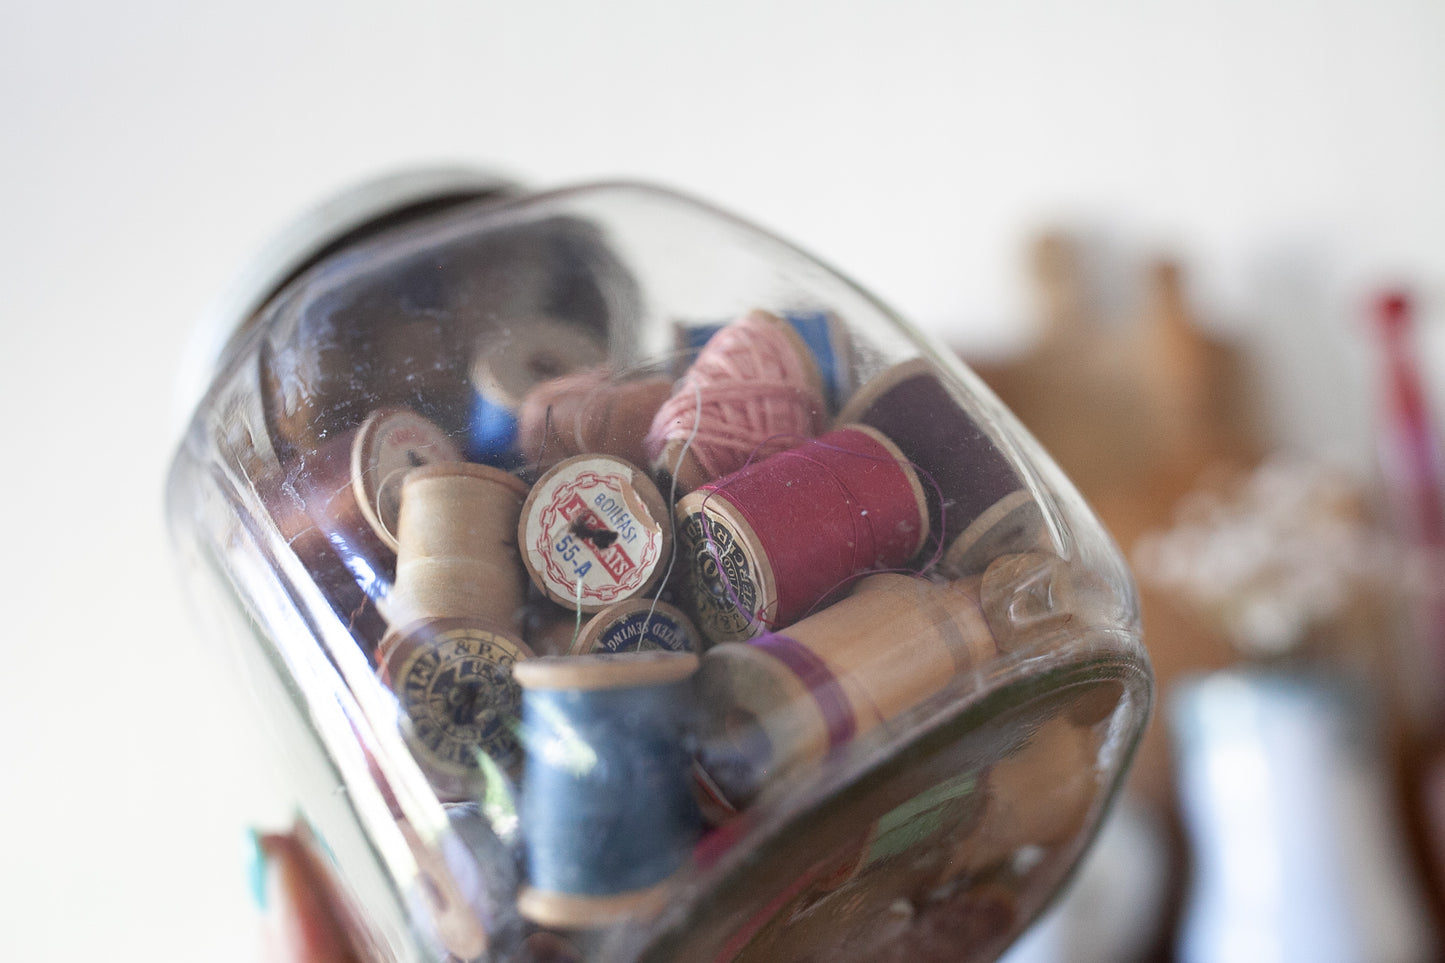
[[459, 698]]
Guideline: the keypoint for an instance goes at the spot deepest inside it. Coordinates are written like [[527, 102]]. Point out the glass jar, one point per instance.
[[623, 583]]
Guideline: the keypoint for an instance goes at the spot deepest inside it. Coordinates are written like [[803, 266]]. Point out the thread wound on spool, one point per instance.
[[389, 444], [589, 412], [821, 332], [606, 803], [593, 531], [753, 390], [638, 625], [789, 697], [766, 544], [979, 505], [509, 365], [457, 551]]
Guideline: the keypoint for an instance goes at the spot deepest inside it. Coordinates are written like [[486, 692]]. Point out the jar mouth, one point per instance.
[[351, 215]]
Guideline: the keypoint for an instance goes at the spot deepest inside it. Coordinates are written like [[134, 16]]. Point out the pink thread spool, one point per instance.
[[588, 412], [765, 544], [753, 390]]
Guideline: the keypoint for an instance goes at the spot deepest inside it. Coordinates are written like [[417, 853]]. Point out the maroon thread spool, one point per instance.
[[588, 412], [766, 544], [977, 502]]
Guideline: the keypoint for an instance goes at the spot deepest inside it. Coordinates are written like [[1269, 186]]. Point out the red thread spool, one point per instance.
[[766, 544]]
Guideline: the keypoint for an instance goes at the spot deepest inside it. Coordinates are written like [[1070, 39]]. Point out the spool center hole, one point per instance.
[[601, 537]]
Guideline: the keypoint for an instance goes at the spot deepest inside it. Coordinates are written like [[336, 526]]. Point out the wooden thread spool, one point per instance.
[[389, 445], [457, 554], [512, 363], [788, 698], [453, 680], [753, 390], [637, 625], [822, 333], [978, 503], [594, 530], [607, 806], [766, 544], [588, 412], [340, 512]]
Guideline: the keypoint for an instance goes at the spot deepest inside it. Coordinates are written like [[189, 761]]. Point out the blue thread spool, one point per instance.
[[638, 625], [607, 805], [509, 365], [824, 337]]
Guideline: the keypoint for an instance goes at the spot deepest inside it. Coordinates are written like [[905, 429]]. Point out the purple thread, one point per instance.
[[819, 680]]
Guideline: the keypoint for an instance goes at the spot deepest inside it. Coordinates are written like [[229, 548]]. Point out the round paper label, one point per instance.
[[589, 537]]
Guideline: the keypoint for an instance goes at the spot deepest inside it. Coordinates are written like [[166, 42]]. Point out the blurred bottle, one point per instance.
[[1297, 857]]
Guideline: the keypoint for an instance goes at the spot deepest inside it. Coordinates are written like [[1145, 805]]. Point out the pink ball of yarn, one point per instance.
[[753, 390]]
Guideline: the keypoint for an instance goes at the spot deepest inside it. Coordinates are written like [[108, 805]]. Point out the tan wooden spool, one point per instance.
[[883, 650], [457, 546]]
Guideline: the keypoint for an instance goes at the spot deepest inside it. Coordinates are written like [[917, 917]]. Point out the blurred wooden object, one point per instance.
[[1138, 414]]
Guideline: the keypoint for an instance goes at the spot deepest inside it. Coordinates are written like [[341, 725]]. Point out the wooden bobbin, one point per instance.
[[637, 625], [978, 503], [588, 412], [389, 444], [511, 363], [607, 808], [594, 531], [453, 679], [336, 510], [457, 551], [741, 405], [785, 699], [766, 544]]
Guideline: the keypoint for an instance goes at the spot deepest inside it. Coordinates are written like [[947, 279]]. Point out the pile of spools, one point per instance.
[[652, 600]]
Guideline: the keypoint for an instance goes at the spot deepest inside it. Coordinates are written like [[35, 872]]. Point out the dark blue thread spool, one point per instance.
[[607, 808], [638, 625]]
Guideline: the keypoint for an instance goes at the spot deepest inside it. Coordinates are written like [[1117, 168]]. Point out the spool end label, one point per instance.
[[458, 695], [639, 626], [723, 587], [589, 537]]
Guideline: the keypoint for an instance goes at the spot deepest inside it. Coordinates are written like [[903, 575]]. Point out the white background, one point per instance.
[[1293, 153]]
